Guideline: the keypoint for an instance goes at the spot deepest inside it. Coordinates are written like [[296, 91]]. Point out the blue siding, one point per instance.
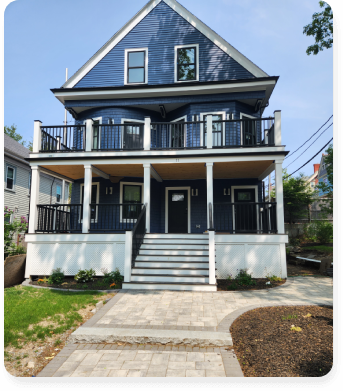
[[160, 31]]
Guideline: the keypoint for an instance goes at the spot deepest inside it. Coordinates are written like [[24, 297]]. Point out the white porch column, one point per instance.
[[147, 181], [209, 182], [87, 199], [34, 199], [89, 135], [147, 133], [279, 199], [37, 136], [211, 257], [128, 256], [277, 127], [209, 131]]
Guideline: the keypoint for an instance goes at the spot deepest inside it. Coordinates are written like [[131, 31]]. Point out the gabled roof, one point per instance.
[[183, 12], [16, 150]]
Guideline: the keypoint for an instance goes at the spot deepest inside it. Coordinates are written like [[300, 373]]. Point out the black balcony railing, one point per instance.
[[111, 137], [245, 217], [59, 218], [114, 217], [63, 138], [138, 233]]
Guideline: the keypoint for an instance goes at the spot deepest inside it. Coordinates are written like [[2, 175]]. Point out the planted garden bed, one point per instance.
[[69, 283], [257, 284]]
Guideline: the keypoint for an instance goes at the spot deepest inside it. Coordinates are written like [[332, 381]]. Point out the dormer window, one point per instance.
[[187, 63], [136, 66]]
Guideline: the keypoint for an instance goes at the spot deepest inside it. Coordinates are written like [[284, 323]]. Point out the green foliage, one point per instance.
[[272, 278], [244, 278], [321, 28], [112, 277], [56, 277], [10, 230], [319, 231], [324, 249], [12, 132], [327, 188], [85, 275], [288, 317]]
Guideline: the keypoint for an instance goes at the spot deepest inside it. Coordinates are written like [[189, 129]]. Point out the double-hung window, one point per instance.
[[187, 63], [10, 177], [136, 64], [131, 197]]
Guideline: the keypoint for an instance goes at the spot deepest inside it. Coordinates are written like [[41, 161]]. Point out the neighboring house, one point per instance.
[[18, 177], [312, 180], [322, 174], [167, 158]]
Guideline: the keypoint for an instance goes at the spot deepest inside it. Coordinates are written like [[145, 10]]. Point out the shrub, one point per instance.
[[112, 277], [56, 277], [324, 231], [12, 228], [85, 275], [244, 278]]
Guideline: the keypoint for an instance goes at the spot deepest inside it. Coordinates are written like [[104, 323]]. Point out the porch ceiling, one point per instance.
[[249, 169]]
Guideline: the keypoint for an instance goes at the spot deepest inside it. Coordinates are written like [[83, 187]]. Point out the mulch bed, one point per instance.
[[266, 346], [224, 285], [70, 283]]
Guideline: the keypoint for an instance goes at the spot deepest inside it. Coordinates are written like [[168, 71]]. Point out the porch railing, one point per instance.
[[138, 233], [111, 137], [114, 217], [63, 138], [59, 218], [245, 217], [176, 135]]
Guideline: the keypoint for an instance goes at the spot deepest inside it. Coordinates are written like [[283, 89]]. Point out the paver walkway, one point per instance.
[[172, 317]]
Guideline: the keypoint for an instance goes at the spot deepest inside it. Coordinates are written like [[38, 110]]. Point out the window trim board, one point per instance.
[[196, 45], [121, 194], [126, 68], [14, 168], [202, 129]]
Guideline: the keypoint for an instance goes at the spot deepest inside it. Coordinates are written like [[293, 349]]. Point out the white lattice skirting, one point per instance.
[[72, 252], [260, 255]]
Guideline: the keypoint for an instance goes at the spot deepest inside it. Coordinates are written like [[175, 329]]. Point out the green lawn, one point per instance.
[[26, 307], [325, 249]]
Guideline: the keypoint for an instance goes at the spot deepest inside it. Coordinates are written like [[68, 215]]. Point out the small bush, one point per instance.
[[112, 277], [244, 278], [319, 231], [56, 277], [85, 275], [273, 278]]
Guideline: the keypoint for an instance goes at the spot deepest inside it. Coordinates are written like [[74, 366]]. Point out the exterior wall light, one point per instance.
[[227, 191], [194, 192]]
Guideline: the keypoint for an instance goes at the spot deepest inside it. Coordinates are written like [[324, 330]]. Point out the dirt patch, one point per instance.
[[34, 356], [261, 283], [70, 283], [294, 341]]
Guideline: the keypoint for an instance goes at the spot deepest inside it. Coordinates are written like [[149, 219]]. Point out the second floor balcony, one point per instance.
[[182, 135]]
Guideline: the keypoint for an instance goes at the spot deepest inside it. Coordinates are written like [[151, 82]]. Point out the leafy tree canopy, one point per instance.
[[321, 28], [327, 188], [12, 132]]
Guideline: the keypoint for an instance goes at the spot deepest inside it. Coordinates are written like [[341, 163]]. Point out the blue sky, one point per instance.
[[42, 38]]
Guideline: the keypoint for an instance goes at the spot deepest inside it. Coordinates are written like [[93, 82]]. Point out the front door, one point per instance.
[[245, 211], [133, 136], [177, 211]]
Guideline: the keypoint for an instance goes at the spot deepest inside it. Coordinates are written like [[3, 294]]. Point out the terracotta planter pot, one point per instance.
[[14, 270]]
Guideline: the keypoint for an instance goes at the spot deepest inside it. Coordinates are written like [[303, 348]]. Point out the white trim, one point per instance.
[[188, 188], [233, 188], [99, 135], [241, 117], [131, 121], [193, 20], [222, 113], [145, 65], [97, 199], [251, 238], [121, 189], [184, 130], [14, 168], [196, 62]]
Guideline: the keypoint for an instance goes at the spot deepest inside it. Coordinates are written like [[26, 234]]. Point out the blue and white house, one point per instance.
[[167, 157]]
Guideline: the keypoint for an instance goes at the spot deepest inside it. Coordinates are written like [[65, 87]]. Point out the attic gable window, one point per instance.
[[187, 63], [136, 66]]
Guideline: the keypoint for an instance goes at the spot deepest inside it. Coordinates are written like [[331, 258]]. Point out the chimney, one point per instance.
[[316, 167]]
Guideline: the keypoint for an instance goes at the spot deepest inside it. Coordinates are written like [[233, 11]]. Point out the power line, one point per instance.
[[310, 145], [309, 160], [309, 138]]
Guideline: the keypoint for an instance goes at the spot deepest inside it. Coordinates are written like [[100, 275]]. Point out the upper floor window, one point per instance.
[[10, 177], [187, 63], [136, 66]]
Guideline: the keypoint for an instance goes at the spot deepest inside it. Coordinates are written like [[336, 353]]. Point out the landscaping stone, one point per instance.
[[14, 270]]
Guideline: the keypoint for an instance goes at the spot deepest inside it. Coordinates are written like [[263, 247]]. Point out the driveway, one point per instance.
[[169, 333]]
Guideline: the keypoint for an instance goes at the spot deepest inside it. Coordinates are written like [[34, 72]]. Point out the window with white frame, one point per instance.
[[187, 63], [131, 196], [217, 128], [132, 135], [136, 66], [10, 177], [248, 130], [58, 193], [96, 142]]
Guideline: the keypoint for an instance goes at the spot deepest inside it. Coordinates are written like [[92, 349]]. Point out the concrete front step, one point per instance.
[[169, 286], [179, 265], [171, 271], [172, 258], [169, 278], [173, 246], [176, 236], [172, 252], [175, 241]]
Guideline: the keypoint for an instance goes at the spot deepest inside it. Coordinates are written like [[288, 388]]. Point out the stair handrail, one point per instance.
[[138, 233]]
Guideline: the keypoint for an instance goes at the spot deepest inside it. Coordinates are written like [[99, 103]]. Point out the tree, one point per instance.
[[12, 132], [321, 28], [327, 188]]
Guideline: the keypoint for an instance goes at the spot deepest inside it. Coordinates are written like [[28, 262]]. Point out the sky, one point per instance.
[[43, 37]]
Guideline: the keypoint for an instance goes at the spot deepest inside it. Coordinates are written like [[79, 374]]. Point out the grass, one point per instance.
[[325, 249], [26, 307]]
